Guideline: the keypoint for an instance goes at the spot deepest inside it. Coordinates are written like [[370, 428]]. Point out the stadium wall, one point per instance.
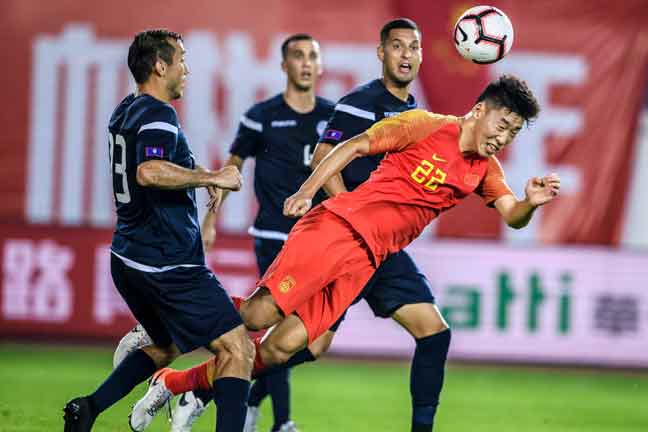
[[555, 292]]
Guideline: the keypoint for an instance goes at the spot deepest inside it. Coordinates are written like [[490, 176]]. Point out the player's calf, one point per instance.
[[233, 367], [283, 341]]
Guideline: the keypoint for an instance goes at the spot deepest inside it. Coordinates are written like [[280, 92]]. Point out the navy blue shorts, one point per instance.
[[266, 250], [186, 306], [397, 282]]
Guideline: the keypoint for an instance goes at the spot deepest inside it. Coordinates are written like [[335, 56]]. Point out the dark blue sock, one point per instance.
[[230, 396], [278, 385], [204, 395], [134, 369], [300, 357], [258, 392], [426, 378]]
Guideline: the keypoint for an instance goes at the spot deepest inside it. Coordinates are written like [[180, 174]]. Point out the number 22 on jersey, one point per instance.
[[118, 168], [428, 175]]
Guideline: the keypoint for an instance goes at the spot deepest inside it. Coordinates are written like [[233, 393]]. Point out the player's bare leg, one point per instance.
[[432, 334], [420, 319], [259, 311], [228, 374], [80, 413], [235, 353], [285, 340], [162, 356], [285, 345], [321, 344]]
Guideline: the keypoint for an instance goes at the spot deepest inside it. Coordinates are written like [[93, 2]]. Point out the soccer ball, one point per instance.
[[483, 34]]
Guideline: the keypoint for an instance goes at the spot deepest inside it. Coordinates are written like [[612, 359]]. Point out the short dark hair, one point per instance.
[[513, 93], [293, 38], [145, 50], [398, 23]]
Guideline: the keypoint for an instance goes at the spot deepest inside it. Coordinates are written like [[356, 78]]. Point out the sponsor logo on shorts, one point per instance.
[[287, 284]]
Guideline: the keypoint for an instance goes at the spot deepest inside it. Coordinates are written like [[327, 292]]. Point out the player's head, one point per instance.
[[504, 106], [301, 60], [400, 51], [159, 55]]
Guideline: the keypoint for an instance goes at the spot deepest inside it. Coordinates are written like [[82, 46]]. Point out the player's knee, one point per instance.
[[247, 351], [234, 346], [253, 317], [321, 344], [241, 355], [260, 311]]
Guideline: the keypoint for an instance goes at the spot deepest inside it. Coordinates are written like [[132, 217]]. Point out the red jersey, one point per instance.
[[423, 174]]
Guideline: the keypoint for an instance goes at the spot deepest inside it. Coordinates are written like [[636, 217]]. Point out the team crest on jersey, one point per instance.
[[287, 284], [333, 134], [154, 152], [320, 127], [471, 179]]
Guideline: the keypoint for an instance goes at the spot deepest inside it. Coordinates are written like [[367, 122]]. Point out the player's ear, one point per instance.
[[160, 67], [479, 109], [380, 52], [283, 65]]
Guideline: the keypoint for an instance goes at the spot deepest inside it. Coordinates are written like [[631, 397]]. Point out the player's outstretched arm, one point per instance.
[[208, 229], [166, 175], [335, 185], [538, 191], [298, 204]]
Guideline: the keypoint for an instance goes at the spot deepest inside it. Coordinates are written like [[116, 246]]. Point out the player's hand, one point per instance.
[[215, 198], [297, 205], [228, 178], [541, 190]]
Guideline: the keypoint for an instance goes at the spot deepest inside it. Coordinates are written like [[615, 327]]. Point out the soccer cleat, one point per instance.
[[78, 415], [251, 419], [132, 341], [289, 426], [187, 410], [155, 398]]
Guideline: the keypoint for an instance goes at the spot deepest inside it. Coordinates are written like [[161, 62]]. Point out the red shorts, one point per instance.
[[323, 266]]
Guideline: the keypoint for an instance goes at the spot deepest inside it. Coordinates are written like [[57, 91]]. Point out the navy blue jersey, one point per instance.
[[155, 227], [354, 114], [282, 141]]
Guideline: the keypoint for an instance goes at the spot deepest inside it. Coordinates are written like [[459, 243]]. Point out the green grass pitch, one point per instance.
[[35, 382]]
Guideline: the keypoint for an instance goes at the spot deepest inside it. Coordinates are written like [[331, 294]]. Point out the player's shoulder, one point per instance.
[[494, 164], [134, 111], [120, 112], [324, 104], [364, 96], [421, 115], [149, 109], [260, 109]]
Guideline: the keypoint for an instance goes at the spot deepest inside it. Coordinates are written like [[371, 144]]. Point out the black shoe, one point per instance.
[[78, 415]]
